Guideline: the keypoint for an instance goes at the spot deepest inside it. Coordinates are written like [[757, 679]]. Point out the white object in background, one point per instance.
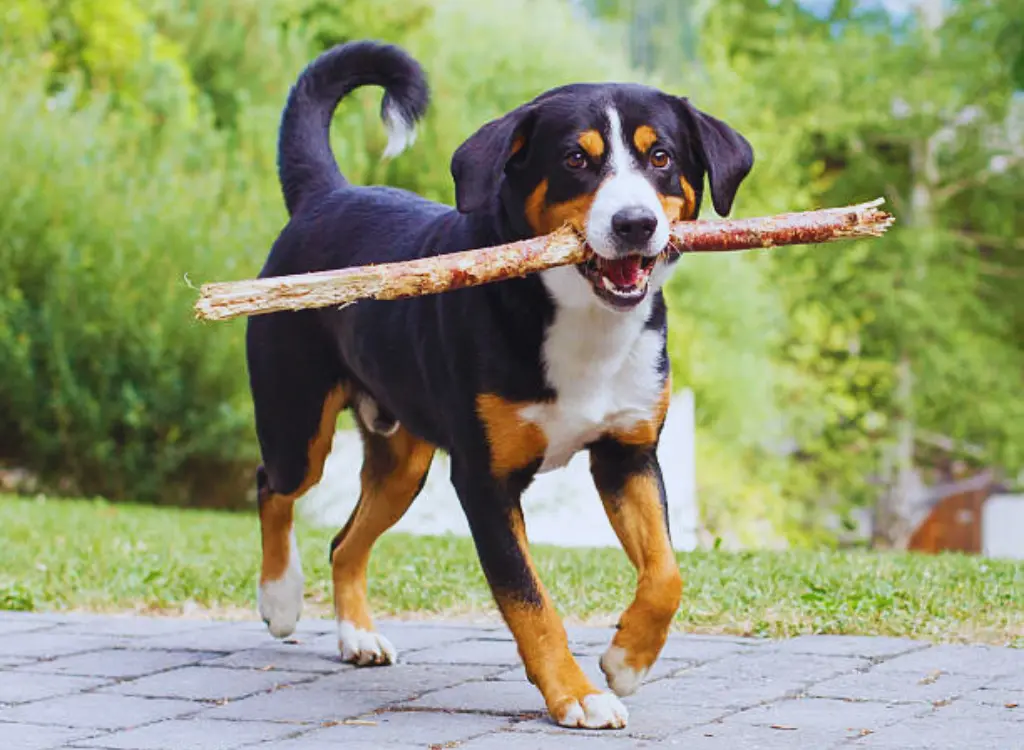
[[1002, 527], [561, 507]]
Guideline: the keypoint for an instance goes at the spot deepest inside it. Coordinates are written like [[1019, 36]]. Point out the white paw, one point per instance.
[[280, 602], [598, 711], [364, 647], [622, 678]]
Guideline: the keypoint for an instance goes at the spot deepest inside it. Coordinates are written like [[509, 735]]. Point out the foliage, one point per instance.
[[97, 556], [104, 383], [146, 135], [125, 187]]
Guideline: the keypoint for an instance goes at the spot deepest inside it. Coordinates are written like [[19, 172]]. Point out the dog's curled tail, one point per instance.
[[305, 162]]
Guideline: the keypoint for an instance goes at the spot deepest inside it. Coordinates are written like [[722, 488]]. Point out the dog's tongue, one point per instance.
[[624, 272]]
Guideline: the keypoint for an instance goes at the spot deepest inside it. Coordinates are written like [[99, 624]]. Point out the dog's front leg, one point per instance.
[[496, 522], [628, 478]]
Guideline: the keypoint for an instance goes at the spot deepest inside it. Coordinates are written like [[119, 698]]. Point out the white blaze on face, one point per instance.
[[625, 187]]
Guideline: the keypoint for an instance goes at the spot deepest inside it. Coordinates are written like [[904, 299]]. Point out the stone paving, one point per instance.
[[134, 683]]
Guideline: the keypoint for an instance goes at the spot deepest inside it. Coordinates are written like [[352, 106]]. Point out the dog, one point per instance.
[[510, 379]]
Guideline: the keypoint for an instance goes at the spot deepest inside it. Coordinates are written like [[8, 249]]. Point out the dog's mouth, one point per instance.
[[621, 282]]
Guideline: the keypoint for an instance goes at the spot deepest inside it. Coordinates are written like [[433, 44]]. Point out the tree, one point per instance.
[[923, 326]]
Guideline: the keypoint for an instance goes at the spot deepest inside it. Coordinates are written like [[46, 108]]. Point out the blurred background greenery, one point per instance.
[[139, 145]]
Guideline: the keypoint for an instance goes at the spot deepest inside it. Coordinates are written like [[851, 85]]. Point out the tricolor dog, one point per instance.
[[511, 378]]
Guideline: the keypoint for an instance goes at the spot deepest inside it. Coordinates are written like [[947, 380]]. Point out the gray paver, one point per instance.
[[718, 692], [401, 726], [14, 661], [772, 664], [177, 734], [208, 683], [303, 705], [28, 737], [10, 627], [224, 638], [16, 687], [134, 627], [1001, 692], [468, 652], [495, 697], [582, 740], [983, 661], [752, 737], [870, 647], [282, 656], [937, 733], [304, 742], [407, 638], [409, 679], [967, 709], [97, 710], [896, 686], [49, 644], [127, 683], [827, 715], [118, 663]]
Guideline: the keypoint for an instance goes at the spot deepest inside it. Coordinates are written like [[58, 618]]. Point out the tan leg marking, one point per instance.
[[514, 442], [639, 522], [637, 516], [393, 471]]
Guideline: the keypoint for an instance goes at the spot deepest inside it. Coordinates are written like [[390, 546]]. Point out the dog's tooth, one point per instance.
[[607, 284]]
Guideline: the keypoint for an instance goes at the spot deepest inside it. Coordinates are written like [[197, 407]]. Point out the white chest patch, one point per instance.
[[603, 366]]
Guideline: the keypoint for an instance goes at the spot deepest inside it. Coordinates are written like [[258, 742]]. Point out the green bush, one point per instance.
[[107, 203], [106, 383]]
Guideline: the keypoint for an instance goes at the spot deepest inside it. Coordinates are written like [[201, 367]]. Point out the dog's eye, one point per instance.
[[576, 160], [660, 158]]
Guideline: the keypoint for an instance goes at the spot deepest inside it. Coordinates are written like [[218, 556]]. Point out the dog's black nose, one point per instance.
[[634, 225]]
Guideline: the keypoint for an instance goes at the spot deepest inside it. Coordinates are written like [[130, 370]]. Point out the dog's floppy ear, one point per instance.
[[478, 163], [728, 157]]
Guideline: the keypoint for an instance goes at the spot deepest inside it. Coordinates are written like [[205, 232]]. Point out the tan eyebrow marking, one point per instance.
[[643, 138], [592, 142]]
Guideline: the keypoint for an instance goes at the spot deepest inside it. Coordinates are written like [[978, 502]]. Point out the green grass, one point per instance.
[[83, 555]]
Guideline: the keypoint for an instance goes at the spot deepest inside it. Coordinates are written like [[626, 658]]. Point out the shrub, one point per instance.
[[105, 382]]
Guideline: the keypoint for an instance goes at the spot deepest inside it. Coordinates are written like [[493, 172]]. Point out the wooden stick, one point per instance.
[[442, 273]]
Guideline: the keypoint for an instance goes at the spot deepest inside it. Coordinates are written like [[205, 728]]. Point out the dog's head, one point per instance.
[[618, 163]]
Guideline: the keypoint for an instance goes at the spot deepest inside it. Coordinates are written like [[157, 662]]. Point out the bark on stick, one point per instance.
[[442, 273]]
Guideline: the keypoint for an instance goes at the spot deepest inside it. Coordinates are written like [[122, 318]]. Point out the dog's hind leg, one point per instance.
[[297, 396], [395, 467]]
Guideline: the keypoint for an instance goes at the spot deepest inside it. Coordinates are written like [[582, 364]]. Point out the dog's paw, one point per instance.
[[364, 648], [622, 678], [280, 602], [595, 711]]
